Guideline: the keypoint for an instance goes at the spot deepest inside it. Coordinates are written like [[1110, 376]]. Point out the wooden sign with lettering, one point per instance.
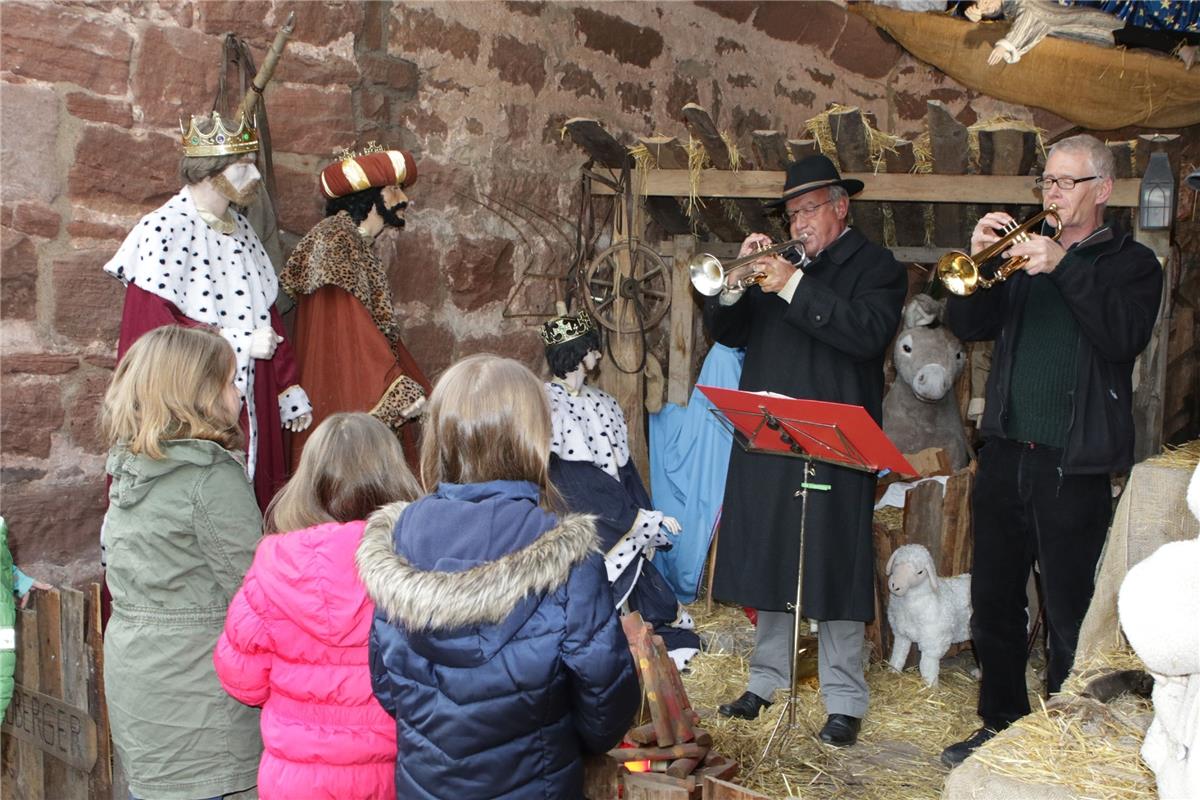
[[64, 732]]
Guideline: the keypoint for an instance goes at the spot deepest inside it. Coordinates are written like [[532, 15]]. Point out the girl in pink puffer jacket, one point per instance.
[[295, 639]]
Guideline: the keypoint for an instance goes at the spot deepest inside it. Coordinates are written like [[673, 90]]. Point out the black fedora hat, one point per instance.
[[812, 173]]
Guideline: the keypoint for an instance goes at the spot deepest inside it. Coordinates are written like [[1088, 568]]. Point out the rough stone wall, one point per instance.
[[91, 94]]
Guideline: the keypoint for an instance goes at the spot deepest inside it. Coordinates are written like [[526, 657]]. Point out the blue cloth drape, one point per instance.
[[689, 454]]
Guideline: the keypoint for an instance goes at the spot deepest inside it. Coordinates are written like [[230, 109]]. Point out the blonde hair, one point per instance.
[[351, 465], [170, 385], [488, 420]]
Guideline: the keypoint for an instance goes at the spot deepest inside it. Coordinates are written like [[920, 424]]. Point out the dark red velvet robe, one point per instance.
[[145, 312]]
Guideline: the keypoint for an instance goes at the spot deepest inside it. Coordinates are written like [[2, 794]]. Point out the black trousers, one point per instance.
[[1024, 510]]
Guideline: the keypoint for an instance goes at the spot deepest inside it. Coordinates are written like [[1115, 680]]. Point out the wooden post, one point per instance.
[[683, 322], [1150, 370], [626, 347], [628, 388]]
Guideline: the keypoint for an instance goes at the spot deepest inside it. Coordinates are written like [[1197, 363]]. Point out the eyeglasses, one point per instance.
[[1066, 184], [804, 212]]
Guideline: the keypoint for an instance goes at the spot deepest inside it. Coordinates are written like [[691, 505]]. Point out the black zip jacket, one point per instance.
[[1113, 287]]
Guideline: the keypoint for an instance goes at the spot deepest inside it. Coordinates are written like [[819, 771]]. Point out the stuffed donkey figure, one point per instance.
[[920, 409]]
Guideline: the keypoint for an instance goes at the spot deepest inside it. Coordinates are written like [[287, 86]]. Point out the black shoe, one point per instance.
[[841, 730], [745, 707], [957, 753]]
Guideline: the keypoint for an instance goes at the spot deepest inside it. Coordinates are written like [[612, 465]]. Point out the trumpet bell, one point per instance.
[[707, 274], [958, 272]]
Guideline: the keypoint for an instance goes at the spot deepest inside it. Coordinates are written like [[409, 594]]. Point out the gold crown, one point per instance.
[[219, 141], [565, 328], [347, 153]]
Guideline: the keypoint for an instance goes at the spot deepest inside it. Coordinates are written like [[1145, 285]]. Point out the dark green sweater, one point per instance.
[[1043, 375]]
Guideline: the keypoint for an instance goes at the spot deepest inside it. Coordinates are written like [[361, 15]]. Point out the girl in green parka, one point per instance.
[[13, 584], [180, 531]]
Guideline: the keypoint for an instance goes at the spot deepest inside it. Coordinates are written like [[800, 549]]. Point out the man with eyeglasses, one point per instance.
[[818, 331], [1058, 421]]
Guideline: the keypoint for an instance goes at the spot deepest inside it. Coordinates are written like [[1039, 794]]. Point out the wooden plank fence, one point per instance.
[[56, 744]]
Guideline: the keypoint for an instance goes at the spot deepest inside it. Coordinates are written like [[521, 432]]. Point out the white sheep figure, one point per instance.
[[933, 612]]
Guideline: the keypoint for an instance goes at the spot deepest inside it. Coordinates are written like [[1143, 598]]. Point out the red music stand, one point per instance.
[[838, 434]]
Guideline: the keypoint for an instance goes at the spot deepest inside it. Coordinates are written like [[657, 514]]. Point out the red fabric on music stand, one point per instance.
[[836, 433]]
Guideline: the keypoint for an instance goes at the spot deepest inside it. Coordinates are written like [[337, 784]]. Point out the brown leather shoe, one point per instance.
[[745, 707], [841, 730]]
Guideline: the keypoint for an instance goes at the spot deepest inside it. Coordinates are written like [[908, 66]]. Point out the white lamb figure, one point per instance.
[[933, 612]]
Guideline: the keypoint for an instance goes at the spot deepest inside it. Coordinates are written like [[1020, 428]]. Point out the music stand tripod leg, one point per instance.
[[790, 704]]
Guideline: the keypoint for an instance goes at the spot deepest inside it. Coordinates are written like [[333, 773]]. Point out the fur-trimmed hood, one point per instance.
[[467, 615]]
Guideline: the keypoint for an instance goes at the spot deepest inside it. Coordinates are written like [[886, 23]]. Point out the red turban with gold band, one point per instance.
[[380, 168]]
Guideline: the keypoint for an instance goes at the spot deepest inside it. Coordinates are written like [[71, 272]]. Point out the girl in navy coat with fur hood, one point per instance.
[[496, 645]]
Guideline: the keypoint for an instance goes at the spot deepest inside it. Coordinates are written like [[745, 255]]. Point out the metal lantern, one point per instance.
[[1157, 194]]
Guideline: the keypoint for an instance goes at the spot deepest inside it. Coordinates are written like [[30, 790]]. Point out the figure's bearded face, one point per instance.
[[238, 183], [391, 205]]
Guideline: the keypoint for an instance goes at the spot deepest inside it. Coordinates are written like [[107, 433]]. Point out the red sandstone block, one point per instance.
[[175, 75], [87, 301], [32, 411], [52, 42], [18, 276]]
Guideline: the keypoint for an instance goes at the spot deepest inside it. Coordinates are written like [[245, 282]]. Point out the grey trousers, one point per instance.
[[839, 661]]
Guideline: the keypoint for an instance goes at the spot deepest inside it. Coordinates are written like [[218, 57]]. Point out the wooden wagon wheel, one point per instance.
[[648, 287]]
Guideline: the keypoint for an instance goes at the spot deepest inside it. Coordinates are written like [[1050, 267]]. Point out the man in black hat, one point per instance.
[[819, 332]]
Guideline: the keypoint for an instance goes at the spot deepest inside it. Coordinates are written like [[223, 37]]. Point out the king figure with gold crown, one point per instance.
[[196, 261]]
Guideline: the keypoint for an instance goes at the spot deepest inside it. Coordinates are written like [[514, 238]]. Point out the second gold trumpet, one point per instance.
[[711, 277], [960, 271]]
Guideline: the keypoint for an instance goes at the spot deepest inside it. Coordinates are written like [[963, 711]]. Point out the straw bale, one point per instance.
[[1185, 456]]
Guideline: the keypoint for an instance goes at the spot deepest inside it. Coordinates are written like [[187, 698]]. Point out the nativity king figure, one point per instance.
[[196, 261], [347, 335], [591, 468]]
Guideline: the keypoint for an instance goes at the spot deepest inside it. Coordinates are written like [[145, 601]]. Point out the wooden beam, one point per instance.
[[849, 132], [700, 124], [908, 219], [985, 189], [802, 148], [668, 153], [1006, 151], [948, 144], [770, 149], [598, 143]]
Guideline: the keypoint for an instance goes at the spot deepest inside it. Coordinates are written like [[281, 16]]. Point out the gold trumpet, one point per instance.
[[710, 276], [960, 272]]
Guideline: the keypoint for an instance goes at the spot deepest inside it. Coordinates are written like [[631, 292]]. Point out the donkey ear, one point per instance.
[[921, 311]]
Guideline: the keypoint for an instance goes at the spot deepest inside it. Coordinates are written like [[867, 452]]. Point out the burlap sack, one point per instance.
[[1152, 511]]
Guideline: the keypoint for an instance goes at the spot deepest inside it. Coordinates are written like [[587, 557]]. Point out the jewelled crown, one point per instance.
[[219, 141], [565, 328]]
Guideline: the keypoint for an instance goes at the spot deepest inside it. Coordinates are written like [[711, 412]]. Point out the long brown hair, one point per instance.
[[488, 420], [351, 465], [170, 385]]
